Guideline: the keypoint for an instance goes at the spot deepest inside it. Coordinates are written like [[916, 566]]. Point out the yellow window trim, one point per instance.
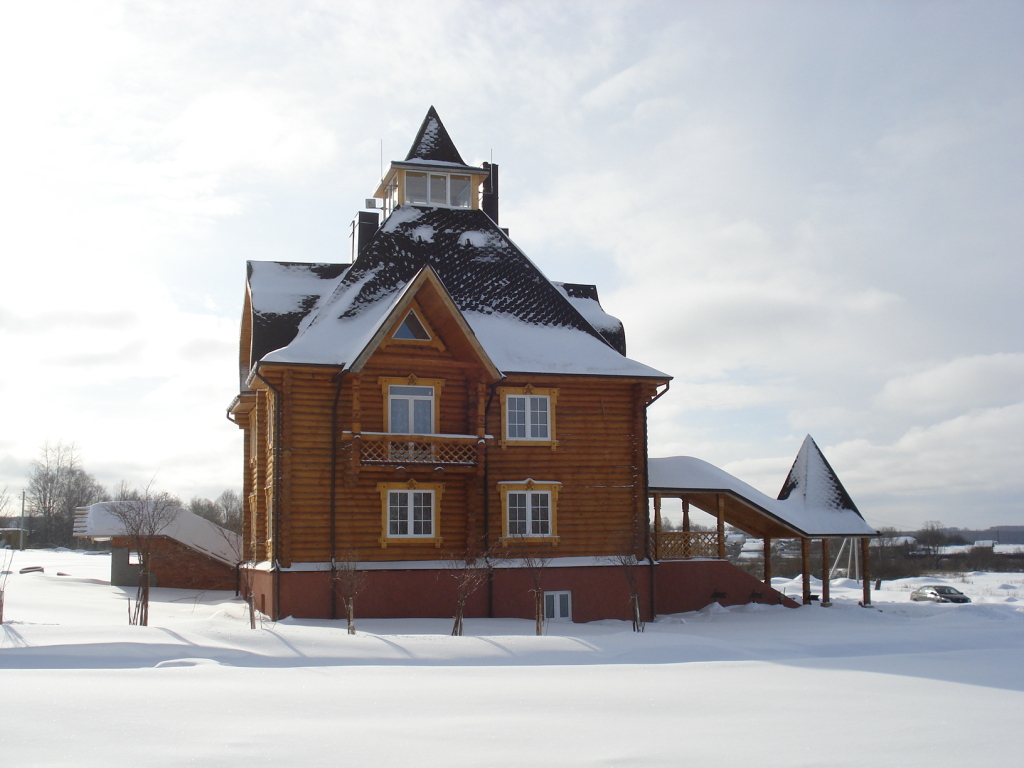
[[529, 484], [434, 341], [529, 389], [412, 380], [410, 485]]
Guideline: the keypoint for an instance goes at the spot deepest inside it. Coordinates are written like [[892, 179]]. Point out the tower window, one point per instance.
[[452, 191]]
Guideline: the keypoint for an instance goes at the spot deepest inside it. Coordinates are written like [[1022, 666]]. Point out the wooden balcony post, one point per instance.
[[826, 555], [767, 542], [721, 526], [865, 570], [686, 515], [805, 565]]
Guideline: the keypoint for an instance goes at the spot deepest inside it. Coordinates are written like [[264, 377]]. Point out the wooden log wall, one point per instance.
[[599, 461]]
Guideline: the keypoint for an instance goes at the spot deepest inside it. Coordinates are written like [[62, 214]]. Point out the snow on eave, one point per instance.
[[686, 474], [186, 528], [518, 346]]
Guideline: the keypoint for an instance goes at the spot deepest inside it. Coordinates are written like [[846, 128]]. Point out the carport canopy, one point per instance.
[[812, 504]]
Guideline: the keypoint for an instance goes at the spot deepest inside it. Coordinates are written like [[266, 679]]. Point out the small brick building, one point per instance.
[[190, 553]]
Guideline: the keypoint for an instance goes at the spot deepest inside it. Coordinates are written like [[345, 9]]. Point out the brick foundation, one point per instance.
[[598, 592]]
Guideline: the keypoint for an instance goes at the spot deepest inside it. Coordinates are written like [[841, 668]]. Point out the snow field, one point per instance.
[[912, 684]]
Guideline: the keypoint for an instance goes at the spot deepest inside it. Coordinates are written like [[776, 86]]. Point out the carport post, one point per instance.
[[767, 542], [805, 564], [721, 526], [865, 570], [826, 555]]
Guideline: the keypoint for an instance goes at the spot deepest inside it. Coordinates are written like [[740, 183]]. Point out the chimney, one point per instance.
[[490, 196], [364, 225]]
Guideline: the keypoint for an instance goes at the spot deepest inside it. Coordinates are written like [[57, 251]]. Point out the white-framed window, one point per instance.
[[410, 514], [558, 606], [410, 409], [529, 513], [528, 417], [449, 190]]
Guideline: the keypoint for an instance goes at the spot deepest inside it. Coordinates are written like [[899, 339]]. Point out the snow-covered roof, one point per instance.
[[187, 528], [432, 142], [282, 294], [812, 508], [524, 323]]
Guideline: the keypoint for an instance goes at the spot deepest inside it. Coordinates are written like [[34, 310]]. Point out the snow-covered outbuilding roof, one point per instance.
[[524, 322], [186, 528], [812, 503]]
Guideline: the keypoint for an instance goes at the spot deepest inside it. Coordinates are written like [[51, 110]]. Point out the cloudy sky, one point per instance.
[[810, 214]]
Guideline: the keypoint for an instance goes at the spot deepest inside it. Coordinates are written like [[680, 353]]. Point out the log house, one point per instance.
[[440, 400]]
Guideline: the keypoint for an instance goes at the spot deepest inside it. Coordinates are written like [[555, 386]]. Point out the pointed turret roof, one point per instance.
[[433, 143], [813, 481]]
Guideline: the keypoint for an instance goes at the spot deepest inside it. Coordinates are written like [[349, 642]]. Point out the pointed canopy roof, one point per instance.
[[433, 143], [814, 483]]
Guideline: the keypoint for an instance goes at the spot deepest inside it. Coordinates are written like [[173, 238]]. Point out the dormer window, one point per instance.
[[449, 190]]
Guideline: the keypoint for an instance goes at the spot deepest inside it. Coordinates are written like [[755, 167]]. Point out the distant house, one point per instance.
[[190, 552], [440, 399]]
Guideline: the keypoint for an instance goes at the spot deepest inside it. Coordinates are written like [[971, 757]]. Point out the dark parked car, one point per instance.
[[939, 594]]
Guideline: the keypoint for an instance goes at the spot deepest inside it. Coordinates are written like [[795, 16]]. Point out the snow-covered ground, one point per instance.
[[907, 684]]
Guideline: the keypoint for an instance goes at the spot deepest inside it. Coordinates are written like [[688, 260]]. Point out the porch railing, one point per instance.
[[380, 448], [683, 545]]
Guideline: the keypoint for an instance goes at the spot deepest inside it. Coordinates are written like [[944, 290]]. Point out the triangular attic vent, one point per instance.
[[433, 142], [412, 329]]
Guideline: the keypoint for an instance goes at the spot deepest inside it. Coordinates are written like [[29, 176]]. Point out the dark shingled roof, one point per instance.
[[275, 329], [482, 270], [433, 142]]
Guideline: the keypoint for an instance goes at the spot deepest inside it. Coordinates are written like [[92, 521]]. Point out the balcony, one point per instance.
[[438, 450], [684, 545]]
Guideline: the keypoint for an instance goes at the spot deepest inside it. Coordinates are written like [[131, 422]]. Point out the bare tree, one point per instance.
[[348, 581], [534, 563], [230, 505], [57, 485], [6, 559], [143, 515], [629, 564], [225, 510], [236, 547], [470, 573]]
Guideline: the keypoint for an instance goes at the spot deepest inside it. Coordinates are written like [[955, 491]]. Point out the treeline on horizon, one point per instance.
[[58, 484]]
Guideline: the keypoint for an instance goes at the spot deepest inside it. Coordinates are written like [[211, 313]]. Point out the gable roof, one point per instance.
[[522, 320], [433, 143]]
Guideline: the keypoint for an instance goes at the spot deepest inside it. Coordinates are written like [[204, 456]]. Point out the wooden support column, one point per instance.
[[657, 525], [826, 555], [686, 515], [865, 570], [805, 565], [721, 525], [767, 542]]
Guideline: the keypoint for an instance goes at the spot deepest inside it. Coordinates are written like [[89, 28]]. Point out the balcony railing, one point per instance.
[[379, 448], [683, 545]]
